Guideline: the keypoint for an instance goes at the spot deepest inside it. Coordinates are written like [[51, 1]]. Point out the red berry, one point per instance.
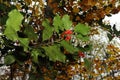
[[81, 54], [68, 37], [68, 32]]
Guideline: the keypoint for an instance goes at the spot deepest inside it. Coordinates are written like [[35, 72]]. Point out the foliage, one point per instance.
[[54, 53], [39, 39], [48, 31], [11, 33], [9, 59], [88, 11]]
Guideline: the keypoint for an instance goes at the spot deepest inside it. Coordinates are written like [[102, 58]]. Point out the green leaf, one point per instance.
[[88, 47], [110, 36], [35, 53], [115, 31], [13, 24], [66, 22], [29, 31], [54, 53], [24, 42], [57, 23], [48, 30], [82, 29], [87, 63], [68, 46], [9, 59], [14, 20], [83, 38], [11, 34]]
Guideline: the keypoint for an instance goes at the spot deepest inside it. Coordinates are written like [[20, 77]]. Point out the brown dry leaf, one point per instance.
[[47, 78], [44, 70], [91, 2], [88, 3], [94, 31], [70, 72], [52, 3], [96, 60], [28, 2], [115, 10], [56, 10], [36, 11], [70, 2], [108, 10], [78, 18], [112, 49], [49, 2], [75, 9], [41, 3], [62, 77], [100, 13], [110, 46], [18, 6], [68, 8]]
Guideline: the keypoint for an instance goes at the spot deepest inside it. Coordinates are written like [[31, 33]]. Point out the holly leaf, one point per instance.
[[24, 42], [29, 31], [115, 30], [110, 36], [9, 59], [88, 47], [68, 46], [66, 22], [57, 22], [48, 30], [11, 34], [13, 24], [82, 29], [54, 53], [83, 38], [35, 53]]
